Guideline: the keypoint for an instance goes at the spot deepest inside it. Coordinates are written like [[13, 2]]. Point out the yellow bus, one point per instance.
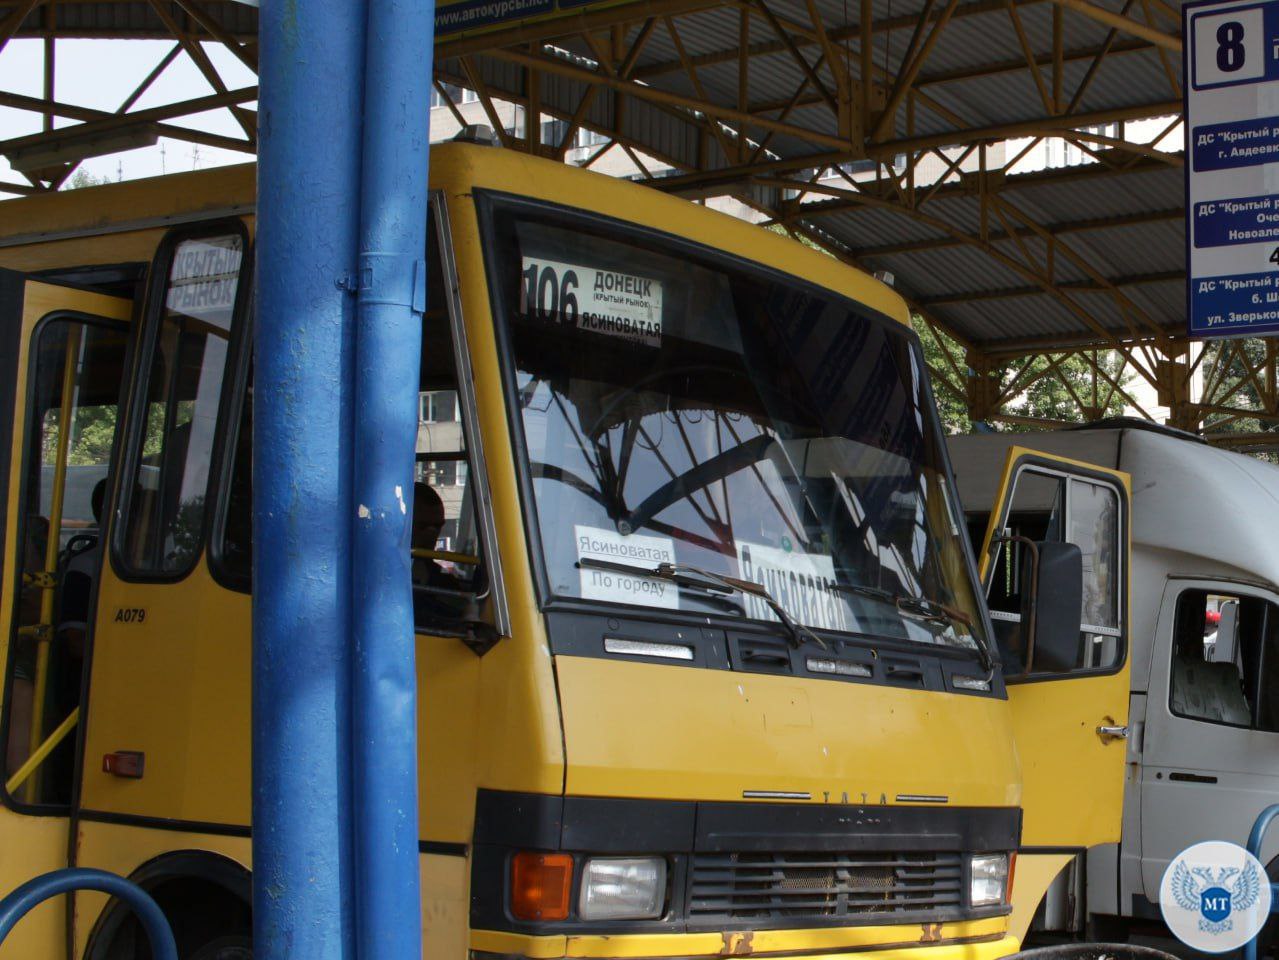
[[705, 667]]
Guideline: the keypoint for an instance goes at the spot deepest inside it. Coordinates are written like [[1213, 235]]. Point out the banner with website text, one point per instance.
[[459, 18]]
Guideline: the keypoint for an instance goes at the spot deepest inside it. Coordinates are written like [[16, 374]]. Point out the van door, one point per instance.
[[1212, 721], [1070, 706], [62, 361]]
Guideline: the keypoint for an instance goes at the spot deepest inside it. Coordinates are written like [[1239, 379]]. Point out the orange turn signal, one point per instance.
[[540, 885]]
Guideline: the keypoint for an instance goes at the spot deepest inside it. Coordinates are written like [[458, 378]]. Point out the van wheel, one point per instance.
[[225, 948]]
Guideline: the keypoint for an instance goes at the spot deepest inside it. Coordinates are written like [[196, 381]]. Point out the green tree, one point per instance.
[[83, 178], [95, 432], [1054, 390], [952, 408], [1057, 395], [92, 433], [1232, 385]]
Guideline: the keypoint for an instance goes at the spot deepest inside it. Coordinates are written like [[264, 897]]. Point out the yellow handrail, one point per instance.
[[67, 408], [37, 756]]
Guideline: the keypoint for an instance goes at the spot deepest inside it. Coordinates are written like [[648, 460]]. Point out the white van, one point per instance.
[[1203, 734]]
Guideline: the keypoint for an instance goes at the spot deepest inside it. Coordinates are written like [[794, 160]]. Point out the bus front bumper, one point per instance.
[[964, 940]]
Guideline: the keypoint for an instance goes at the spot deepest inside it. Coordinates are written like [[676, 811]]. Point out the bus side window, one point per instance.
[[448, 567], [186, 357], [64, 488], [448, 571], [1053, 507]]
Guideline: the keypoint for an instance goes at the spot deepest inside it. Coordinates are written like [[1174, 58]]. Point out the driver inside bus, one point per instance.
[[428, 521], [429, 578]]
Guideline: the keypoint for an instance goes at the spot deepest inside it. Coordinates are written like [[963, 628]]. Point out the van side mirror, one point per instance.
[[1052, 600]]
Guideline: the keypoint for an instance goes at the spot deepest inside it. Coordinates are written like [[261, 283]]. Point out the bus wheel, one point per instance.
[[225, 948]]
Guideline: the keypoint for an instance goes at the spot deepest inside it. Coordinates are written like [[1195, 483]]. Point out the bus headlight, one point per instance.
[[988, 880], [623, 888]]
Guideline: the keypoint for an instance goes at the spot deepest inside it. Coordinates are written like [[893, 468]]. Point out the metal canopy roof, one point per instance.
[[928, 104], [973, 253]]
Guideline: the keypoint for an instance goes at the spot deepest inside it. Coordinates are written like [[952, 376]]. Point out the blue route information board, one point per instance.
[[1232, 167]]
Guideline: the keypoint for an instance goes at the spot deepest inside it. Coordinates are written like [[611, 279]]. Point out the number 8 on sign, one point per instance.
[[1229, 47]]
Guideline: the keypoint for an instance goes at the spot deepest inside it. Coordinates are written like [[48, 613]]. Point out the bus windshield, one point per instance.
[[684, 410]]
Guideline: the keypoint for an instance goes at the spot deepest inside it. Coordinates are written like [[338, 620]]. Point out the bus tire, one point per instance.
[[225, 948], [207, 899]]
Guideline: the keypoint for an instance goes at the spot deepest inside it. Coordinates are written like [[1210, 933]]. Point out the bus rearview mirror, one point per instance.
[[1052, 605]]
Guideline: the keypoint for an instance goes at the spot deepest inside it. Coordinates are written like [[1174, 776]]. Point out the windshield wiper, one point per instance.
[[696, 578], [921, 608], [713, 591]]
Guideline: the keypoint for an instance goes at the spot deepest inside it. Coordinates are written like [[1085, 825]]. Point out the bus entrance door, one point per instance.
[[1069, 699], [62, 360]]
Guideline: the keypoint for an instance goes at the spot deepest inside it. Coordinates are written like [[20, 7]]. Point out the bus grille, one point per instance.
[[795, 886]]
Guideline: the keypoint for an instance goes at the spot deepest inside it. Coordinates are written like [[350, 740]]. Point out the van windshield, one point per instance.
[[678, 410]]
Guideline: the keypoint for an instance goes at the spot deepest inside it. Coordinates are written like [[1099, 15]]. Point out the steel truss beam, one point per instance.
[[1058, 228], [863, 90]]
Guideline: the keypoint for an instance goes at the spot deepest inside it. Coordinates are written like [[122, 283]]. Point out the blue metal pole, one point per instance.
[[1259, 828], [1255, 839], [311, 69], [34, 892], [392, 299]]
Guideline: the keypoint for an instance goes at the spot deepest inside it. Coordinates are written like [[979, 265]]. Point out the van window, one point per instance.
[[448, 571], [76, 371], [186, 354], [1049, 506], [1225, 666]]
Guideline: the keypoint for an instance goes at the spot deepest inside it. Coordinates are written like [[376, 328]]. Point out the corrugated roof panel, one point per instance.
[[1143, 248], [1165, 302], [1115, 195], [872, 227], [138, 18], [952, 262], [952, 271], [1008, 319]]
